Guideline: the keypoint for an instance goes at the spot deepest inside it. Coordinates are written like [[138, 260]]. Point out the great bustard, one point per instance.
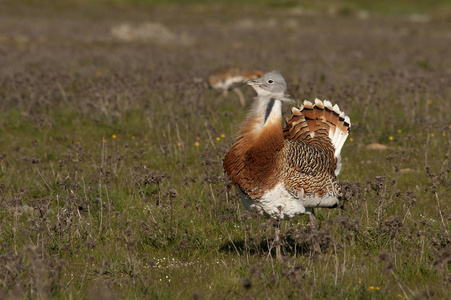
[[283, 173], [230, 78]]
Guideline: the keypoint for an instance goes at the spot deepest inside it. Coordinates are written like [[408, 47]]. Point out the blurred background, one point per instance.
[[111, 148]]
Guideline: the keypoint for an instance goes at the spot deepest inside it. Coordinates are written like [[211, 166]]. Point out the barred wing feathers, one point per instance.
[[314, 136]]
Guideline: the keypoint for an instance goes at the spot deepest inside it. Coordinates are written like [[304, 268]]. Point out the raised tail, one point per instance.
[[339, 125], [314, 123]]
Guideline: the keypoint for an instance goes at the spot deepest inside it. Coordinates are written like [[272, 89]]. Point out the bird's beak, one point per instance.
[[286, 99], [253, 82]]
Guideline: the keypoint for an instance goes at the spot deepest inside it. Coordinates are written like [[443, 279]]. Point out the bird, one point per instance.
[[284, 172], [230, 78]]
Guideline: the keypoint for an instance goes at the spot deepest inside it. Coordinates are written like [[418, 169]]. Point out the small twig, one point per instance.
[[89, 210], [212, 194], [109, 207], [440, 212], [230, 238], [84, 274], [209, 135], [102, 168], [336, 264], [398, 281]]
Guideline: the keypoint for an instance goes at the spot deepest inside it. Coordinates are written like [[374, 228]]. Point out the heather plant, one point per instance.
[[111, 179]]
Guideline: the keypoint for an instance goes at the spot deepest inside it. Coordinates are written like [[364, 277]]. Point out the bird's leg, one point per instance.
[[313, 223], [240, 95], [277, 241]]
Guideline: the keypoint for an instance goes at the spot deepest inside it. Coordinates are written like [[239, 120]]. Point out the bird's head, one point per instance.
[[271, 83]]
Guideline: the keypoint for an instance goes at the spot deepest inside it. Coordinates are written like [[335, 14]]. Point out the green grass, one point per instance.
[[111, 180]]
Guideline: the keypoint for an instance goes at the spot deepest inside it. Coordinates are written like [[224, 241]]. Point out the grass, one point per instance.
[[111, 180]]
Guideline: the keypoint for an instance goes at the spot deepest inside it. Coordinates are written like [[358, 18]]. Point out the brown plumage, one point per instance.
[[254, 160]]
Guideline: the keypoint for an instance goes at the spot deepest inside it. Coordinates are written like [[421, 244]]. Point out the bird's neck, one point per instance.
[[266, 114]]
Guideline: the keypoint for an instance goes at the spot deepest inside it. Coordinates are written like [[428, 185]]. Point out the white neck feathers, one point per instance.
[[266, 110]]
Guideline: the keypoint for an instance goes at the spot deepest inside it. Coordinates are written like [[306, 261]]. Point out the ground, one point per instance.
[[111, 148]]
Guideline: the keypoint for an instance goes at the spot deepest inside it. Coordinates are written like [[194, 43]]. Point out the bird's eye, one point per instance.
[[270, 81]]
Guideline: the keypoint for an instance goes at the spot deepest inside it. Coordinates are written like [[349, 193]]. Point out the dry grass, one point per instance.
[[111, 181]]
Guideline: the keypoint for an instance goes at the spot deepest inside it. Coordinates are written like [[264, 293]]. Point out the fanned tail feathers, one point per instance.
[[319, 120], [297, 128], [308, 111]]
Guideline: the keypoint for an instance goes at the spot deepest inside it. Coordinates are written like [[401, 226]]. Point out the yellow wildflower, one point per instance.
[[179, 144], [222, 135], [133, 137], [218, 138], [351, 139], [196, 144], [371, 288], [432, 134], [390, 138], [399, 130], [429, 101], [113, 136]]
